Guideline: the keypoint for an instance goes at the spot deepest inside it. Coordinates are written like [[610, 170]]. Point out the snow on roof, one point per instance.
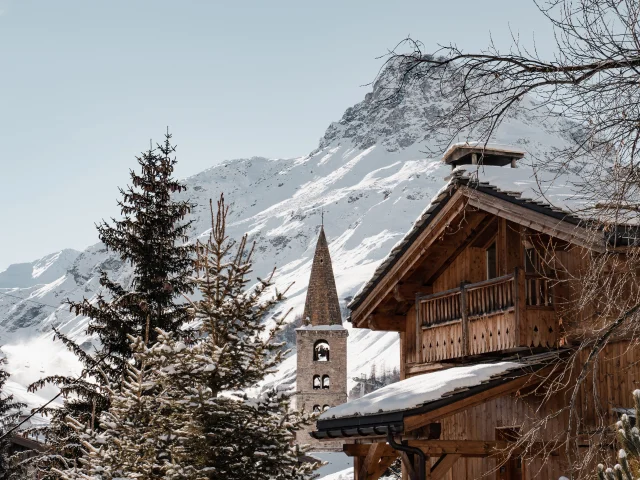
[[496, 147], [321, 327], [416, 391], [560, 193]]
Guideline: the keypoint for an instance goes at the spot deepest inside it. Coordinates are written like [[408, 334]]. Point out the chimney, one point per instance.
[[475, 153]]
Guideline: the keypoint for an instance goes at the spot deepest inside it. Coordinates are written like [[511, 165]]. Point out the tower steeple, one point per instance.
[[321, 343], [322, 306]]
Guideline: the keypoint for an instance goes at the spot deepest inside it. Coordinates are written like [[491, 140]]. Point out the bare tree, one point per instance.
[[590, 90]]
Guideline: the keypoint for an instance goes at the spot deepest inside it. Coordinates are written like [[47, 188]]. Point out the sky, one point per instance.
[[85, 85]]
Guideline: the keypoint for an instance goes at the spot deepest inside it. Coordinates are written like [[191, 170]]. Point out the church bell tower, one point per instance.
[[321, 380]]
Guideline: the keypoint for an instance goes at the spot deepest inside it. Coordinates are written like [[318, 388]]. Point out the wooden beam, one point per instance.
[[417, 421], [413, 369], [532, 219], [428, 432], [388, 322], [362, 449], [406, 291], [409, 466], [463, 448], [385, 462], [411, 257], [433, 448], [371, 461], [456, 244], [443, 465]]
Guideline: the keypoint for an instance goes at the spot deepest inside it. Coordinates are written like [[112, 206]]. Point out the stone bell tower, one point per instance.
[[321, 380]]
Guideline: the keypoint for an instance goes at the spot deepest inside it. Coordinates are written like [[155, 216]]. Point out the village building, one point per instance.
[[480, 292], [321, 343]]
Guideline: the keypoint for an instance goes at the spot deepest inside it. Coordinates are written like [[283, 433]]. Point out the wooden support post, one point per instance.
[[419, 322], [385, 462], [465, 322], [443, 465], [518, 303], [357, 463], [407, 463], [501, 244], [371, 461]]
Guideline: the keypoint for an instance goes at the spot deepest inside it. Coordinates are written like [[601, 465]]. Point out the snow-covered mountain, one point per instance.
[[369, 174]]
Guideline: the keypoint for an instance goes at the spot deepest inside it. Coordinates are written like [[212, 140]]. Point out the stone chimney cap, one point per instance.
[[472, 153]]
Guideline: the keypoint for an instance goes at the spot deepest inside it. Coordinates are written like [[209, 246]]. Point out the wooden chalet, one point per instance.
[[467, 291]]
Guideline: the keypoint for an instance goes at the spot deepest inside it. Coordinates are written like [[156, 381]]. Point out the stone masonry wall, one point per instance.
[[336, 367]]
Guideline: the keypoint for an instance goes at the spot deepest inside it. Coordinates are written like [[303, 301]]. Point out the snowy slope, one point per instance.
[[369, 174]]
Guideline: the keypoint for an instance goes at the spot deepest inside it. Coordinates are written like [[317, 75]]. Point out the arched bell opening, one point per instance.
[[321, 351]]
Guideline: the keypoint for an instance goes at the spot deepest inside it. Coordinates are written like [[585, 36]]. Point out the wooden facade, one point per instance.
[[488, 278]]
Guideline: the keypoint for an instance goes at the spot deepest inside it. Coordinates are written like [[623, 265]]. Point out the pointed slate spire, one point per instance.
[[322, 306]]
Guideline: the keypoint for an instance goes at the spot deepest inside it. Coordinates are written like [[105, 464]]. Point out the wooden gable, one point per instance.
[[467, 218]]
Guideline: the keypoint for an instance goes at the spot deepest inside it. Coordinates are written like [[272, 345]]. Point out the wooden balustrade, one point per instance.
[[538, 291], [495, 295], [441, 307], [511, 311], [483, 298], [462, 321]]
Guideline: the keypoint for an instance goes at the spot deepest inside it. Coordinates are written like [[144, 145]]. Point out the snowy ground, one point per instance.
[[346, 474]]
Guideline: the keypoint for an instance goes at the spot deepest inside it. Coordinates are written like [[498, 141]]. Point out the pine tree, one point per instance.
[[201, 423], [9, 414], [151, 236], [137, 439], [628, 466]]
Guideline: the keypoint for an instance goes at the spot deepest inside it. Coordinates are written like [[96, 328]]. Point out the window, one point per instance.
[[325, 381], [316, 382], [492, 261], [316, 409], [321, 351], [532, 261]]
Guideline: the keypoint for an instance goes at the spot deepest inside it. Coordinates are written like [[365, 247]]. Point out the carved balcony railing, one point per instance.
[[538, 291], [497, 314]]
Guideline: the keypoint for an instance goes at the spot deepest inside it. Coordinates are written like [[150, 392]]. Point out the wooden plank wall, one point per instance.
[[491, 333], [470, 266], [442, 342], [539, 328], [617, 376], [409, 337]]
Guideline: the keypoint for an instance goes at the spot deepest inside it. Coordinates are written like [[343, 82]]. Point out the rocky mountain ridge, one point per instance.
[[369, 174]]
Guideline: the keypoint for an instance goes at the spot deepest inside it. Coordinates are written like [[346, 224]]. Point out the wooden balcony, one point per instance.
[[503, 313]]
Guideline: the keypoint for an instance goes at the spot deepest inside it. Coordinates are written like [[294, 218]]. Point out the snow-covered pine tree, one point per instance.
[[9, 414], [151, 236], [201, 422], [138, 438], [245, 437], [628, 466]]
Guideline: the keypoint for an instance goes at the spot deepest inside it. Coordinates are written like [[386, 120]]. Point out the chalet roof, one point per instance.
[[416, 391], [383, 411], [549, 193]]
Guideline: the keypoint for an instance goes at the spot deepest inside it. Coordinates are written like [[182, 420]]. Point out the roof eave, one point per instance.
[[372, 424], [454, 184]]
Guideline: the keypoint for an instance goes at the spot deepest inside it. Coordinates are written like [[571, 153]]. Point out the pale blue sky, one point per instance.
[[85, 84]]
